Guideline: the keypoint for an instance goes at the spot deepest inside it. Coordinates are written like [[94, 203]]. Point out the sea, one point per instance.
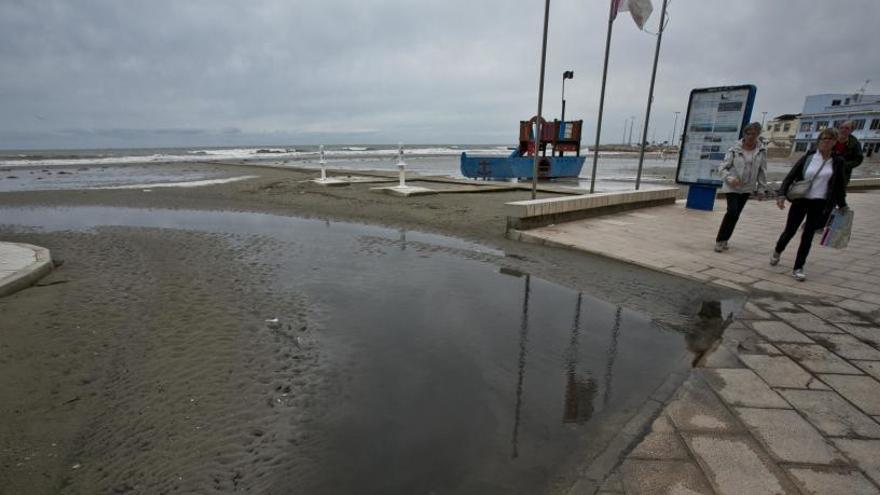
[[55, 169]]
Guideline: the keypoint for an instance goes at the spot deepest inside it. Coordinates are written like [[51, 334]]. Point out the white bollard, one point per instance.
[[401, 165], [323, 165]]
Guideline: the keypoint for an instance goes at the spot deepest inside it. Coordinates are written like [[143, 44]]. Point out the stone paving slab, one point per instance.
[[833, 314], [832, 414], [847, 346], [864, 454], [788, 437], [742, 387], [737, 465], [777, 331], [818, 359], [870, 367], [807, 322], [818, 481], [697, 408], [660, 446], [866, 333], [863, 391], [673, 477], [780, 371]]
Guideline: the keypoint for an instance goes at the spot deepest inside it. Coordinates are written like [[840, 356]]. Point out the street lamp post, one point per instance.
[[763, 116], [674, 128], [569, 74], [625, 125]]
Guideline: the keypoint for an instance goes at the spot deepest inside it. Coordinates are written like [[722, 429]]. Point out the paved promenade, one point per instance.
[[789, 401], [678, 240]]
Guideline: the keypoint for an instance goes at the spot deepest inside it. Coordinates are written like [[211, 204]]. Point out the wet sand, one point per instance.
[[144, 363]]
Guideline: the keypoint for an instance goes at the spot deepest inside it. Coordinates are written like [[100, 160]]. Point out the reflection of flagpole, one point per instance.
[[570, 413], [538, 126], [612, 353], [651, 94], [521, 371], [611, 16]]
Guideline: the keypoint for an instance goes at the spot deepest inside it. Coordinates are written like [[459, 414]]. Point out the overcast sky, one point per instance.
[[126, 73]]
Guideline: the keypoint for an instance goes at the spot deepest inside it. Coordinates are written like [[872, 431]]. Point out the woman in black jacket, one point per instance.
[[828, 174]]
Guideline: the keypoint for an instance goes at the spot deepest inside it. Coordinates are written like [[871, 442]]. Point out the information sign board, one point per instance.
[[713, 123]]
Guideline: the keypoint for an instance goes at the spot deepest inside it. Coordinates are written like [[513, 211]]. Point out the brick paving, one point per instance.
[[789, 402]]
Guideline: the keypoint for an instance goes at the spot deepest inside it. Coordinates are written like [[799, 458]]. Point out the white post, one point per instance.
[[323, 165], [401, 165]]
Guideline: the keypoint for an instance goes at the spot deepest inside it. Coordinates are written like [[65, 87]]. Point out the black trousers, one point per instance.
[[735, 204], [815, 212]]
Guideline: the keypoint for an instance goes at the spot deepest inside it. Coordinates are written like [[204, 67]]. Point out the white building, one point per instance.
[[831, 110]]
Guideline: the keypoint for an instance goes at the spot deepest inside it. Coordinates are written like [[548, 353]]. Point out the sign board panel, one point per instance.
[[713, 123]]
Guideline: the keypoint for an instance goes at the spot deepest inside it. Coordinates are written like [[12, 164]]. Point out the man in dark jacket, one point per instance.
[[849, 148]]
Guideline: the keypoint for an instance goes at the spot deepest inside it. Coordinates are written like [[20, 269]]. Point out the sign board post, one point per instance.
[[713, 123]]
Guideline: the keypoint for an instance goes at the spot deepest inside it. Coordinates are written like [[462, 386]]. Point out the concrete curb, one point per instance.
[[25, 275]]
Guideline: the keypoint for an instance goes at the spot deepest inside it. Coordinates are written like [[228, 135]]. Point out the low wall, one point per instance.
[[870, 183], [533, 213]]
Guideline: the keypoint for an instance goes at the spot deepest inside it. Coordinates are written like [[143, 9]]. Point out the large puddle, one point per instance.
[[454, 376]]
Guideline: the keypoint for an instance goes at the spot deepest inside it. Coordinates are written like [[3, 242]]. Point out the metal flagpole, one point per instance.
[[611, 16], [538, 129], [650, 95]]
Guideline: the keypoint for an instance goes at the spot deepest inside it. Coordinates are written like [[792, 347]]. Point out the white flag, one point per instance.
[[639, 9]]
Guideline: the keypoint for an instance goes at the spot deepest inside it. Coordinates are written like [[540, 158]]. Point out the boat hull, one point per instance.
[[520, 167]]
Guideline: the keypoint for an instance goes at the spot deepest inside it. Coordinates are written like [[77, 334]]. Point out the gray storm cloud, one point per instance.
[[138, 73]]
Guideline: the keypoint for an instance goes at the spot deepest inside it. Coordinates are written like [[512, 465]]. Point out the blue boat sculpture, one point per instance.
[[560, 137]]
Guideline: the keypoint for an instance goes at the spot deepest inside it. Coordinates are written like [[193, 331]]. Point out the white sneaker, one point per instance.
[[724, 245], [719, 246], [774, 258], [799, 275]]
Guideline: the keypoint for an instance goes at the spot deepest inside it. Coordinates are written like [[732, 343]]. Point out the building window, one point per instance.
[[875, 124], [835, 103], [800, 147], [806, 126], [847, 102], [837, 124], [776, 128], [769, 127], [858, 124], [786, 126], [821, 125]]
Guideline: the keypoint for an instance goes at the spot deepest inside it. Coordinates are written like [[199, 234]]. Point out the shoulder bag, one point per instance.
[[799, 188]]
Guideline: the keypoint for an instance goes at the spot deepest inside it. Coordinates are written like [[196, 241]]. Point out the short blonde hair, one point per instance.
[[828, 131]]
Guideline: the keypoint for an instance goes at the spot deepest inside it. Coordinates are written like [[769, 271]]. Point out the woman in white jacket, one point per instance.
[[743, 172]]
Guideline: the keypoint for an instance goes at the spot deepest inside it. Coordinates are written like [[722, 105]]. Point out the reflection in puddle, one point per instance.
[[579, 391], [450, 374], [705, 335]]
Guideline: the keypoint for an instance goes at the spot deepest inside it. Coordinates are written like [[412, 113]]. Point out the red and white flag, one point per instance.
[[639, 9]]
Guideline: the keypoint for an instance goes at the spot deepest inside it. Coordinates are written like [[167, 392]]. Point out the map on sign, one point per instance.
[[713, 123]]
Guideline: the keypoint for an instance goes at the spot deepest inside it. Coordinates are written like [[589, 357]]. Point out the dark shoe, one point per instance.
[[774, 258]]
